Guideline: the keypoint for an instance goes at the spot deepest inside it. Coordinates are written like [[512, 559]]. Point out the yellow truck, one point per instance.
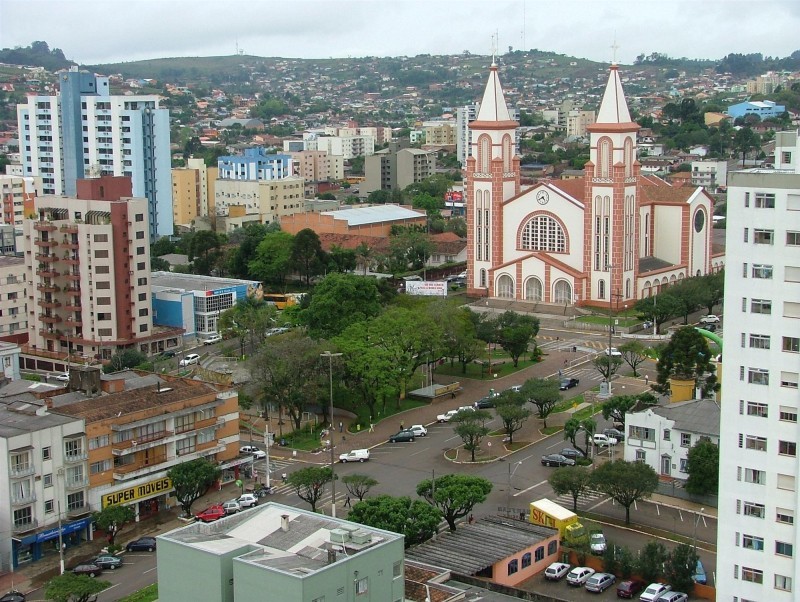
[[549, 514]]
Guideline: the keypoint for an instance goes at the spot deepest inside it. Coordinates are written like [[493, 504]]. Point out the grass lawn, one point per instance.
[[603, 320], [503, 367], [391, 408], [148, 594]]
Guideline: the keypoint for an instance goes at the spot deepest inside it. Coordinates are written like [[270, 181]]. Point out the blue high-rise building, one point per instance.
[[255, 165]]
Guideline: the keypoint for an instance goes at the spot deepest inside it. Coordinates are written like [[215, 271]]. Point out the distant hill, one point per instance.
[[38, 54]]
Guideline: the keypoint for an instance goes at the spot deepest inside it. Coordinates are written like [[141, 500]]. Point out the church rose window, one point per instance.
[[543, 233]]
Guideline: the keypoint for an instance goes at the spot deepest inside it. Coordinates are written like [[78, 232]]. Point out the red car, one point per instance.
[[211, 514], [628, 589]]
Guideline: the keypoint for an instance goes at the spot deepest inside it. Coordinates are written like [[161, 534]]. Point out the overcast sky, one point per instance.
[[105, 31]]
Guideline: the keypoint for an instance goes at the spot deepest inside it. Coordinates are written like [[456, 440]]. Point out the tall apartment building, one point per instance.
[[241, 202], [393, 169], [464, 115], [15, 193], [13, 299], [348, 147], [440, 133], [254, 164], [193, 191], [578, 121], [710, 174], [88, 266], [84, 131], [758, 513]]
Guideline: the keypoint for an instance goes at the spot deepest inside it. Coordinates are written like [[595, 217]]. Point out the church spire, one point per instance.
[[614, 107], [493, 105]]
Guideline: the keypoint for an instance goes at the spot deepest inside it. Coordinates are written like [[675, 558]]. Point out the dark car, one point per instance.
[[107, 561], [486, 402], [147, 544], [557, 460], [572, 454], [402, 436], [615, 433], [568, 383], [87, 568], [167, 354], [629, 588], [13, 596]]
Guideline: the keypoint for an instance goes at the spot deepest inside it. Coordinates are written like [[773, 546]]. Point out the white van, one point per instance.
[[360, 455]]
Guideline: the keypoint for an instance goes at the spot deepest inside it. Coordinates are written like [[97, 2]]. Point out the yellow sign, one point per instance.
[[137, 492]]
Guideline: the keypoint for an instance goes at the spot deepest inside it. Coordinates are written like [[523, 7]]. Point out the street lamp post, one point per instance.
[[330, 357], [610, 324], [508, 491], [694, 534]]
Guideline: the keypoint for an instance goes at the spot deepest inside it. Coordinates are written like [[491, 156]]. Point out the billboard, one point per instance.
[[435, 288]]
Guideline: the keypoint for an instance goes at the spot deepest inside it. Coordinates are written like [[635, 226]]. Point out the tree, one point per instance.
[[159, 265], [74, 588], [358, 485], [204, 248], [634, 353], [122, 360], [607, 365], [625, 482], [511, 409], [455, 495], [272, 260], [471, 427], [680, 566], [702, 464], [658, 308], [573, 427], [192, 480], [339, 301], [111, 519], [713, 291], [619, 405], [341, 260], [572, 480], [689, 294], [307, 255], [745, 140], [248, 320], [246, 240], [686, 357], [515, 332], [651, 561], [544, 393], [460, 340], [309, 483], [416, 520]]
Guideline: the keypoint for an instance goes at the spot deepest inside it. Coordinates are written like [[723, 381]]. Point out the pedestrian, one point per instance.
[[341, 427], [452, 394], [347, 502], [559, 374], [402, 425], [371, 427], [283, 477], [646, 380], [566, 362]]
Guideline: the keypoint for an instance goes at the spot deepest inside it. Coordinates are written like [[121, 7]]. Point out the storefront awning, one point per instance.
[[236, 462]]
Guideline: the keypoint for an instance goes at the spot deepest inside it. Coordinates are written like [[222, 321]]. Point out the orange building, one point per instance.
[[376, 220]]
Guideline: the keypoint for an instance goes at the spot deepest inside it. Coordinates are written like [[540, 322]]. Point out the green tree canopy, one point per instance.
[[204, 249], [455, 495], [246, 240], [309, 483], [510, 407], [339, 301], [192, 480], [248, 320], [625, 482], [544, 393], [619, 405], [679, 567], [358, 485], [607, 365], [572, 480], [74, 588], [273, 258], [687, 357], [471, 427], [574, 428], [416, 520], [112, 519], [341, 260], [122, 360], [307, 256], [634, 353], [515, 333], [702, 464], [658, 308]]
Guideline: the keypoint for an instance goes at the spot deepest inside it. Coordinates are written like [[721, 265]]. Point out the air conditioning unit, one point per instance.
[[340, 536]]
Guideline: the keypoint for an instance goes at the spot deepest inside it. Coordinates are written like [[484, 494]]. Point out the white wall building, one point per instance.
[[757, 534], [13, 297], [709, 174]]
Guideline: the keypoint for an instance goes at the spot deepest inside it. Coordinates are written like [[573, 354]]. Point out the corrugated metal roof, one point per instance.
[[374, 214], [694, 416]]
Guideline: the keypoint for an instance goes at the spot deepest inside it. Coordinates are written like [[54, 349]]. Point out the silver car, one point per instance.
[[599, 582]]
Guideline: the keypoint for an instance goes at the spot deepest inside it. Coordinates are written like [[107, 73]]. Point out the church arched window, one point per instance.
[[507, 152], [483, 278], [601, 289], [533, 289], [604, 148], [628, 157], [562, 292], [543, 233], [484, 145], [505, 287]]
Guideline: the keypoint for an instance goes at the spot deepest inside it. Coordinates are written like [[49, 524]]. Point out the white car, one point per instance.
[[654, 591], [355, 455], [214, 338], [448, 416], [231, 507], [579, 575], [247, 500], [709, 319], [614, 352], [63, 377], [418, 430], [248, 449], [601, 440], [556, 571], [190, 359], [597, 542]]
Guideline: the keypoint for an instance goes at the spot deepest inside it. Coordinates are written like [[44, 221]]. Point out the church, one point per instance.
[[614, 235]]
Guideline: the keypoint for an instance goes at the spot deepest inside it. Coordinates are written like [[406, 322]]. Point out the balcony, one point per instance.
[[71, 307], [73, 484], [47, 272], [80, 456], [78, 511], [46, 258], [73, 323], [132, 471], [47, 288], [45, 243], [49, 303], [73, 288], [23, 499], [45, 226], [21, 470], [72, 276], [71, 260], [49, 318], [69, 228], [50, 333], [25, 526]]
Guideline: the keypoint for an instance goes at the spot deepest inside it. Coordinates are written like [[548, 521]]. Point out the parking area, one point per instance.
[[560, 590]]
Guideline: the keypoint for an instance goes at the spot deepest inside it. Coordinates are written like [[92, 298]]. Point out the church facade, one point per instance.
[[614, 235]]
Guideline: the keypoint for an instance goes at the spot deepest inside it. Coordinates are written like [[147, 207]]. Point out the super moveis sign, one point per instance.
[[432, 288], [137, 492]]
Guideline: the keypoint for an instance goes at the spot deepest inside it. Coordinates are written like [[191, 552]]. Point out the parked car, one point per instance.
[[448, 416], [485, 403], [107, 561], [231, 507], [167, 354], [709, 319], [654, 591], [247, 500], [597, 542], [601, 440], [614, 434], [556, 571], [418, 430], [568, 383], [557, 460], [87, 568], [673, 597], [614, 352], [579, 575], [251, 449], [698, 577], [355, 455], [600, 582], [402, 436], [63, 377], [12, 596], [572, 454], [190, 359], [213, 338], [147, 544], [629, 588], [210, 514]]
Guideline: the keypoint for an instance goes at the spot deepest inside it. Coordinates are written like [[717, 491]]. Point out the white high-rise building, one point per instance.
[[84, 131], [758, 523]]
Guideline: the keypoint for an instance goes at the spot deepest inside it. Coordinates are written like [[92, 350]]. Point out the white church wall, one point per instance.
[[667, 243]]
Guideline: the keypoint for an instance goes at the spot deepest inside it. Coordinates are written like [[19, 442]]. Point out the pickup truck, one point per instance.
[[448, 416]]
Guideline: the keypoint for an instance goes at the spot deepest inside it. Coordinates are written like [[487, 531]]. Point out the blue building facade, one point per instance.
[[255, 165], [763, 108]]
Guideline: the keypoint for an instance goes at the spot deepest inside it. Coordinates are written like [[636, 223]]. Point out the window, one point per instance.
[[362, 586], [643, 433], [49, 507], [101, 269], [755, 510], [765, 200], [684, 465], [761, 306], [686, 439], [788, 414], [104, 300], [783, 549], [142, 296], [752, 575], [785, 516], [102, 285], [140, 216], [762, 271], [641, 455], [751, 542], [101, 254], [140, 250], [787, 448], [763, 237], [99, 467], [143, 312], [793, 239], [97, 442], [46, 453], [758, 376], [513, 566], [746, 199], [543, 233], [789, 379], [539, 554], [47, 480], [783, 583], [757, 477], [100, 238], [141, 265], [73, 448], [23, 517], [786, 482], [143, 328], [756, 443], [75, 501], [746, 235], [759, 341], [185, 446], [791, 344], [526, 559], [397, 569], [760, 410], [140, 235], [667, 434], [552, 548]]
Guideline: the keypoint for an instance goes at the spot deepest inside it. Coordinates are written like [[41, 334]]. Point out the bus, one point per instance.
[[283, 300]]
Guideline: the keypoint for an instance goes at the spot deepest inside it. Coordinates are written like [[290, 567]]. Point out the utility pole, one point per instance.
[[610, 324], [331, 430], [508, 490], [694, 534]]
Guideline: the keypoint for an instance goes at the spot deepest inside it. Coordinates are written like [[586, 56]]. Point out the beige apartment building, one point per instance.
[[13, 299], [242, 202], [15, 192], [87, 260], [317, 166], [440, 134], [193, 191], [578, 121], [391, 169]]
